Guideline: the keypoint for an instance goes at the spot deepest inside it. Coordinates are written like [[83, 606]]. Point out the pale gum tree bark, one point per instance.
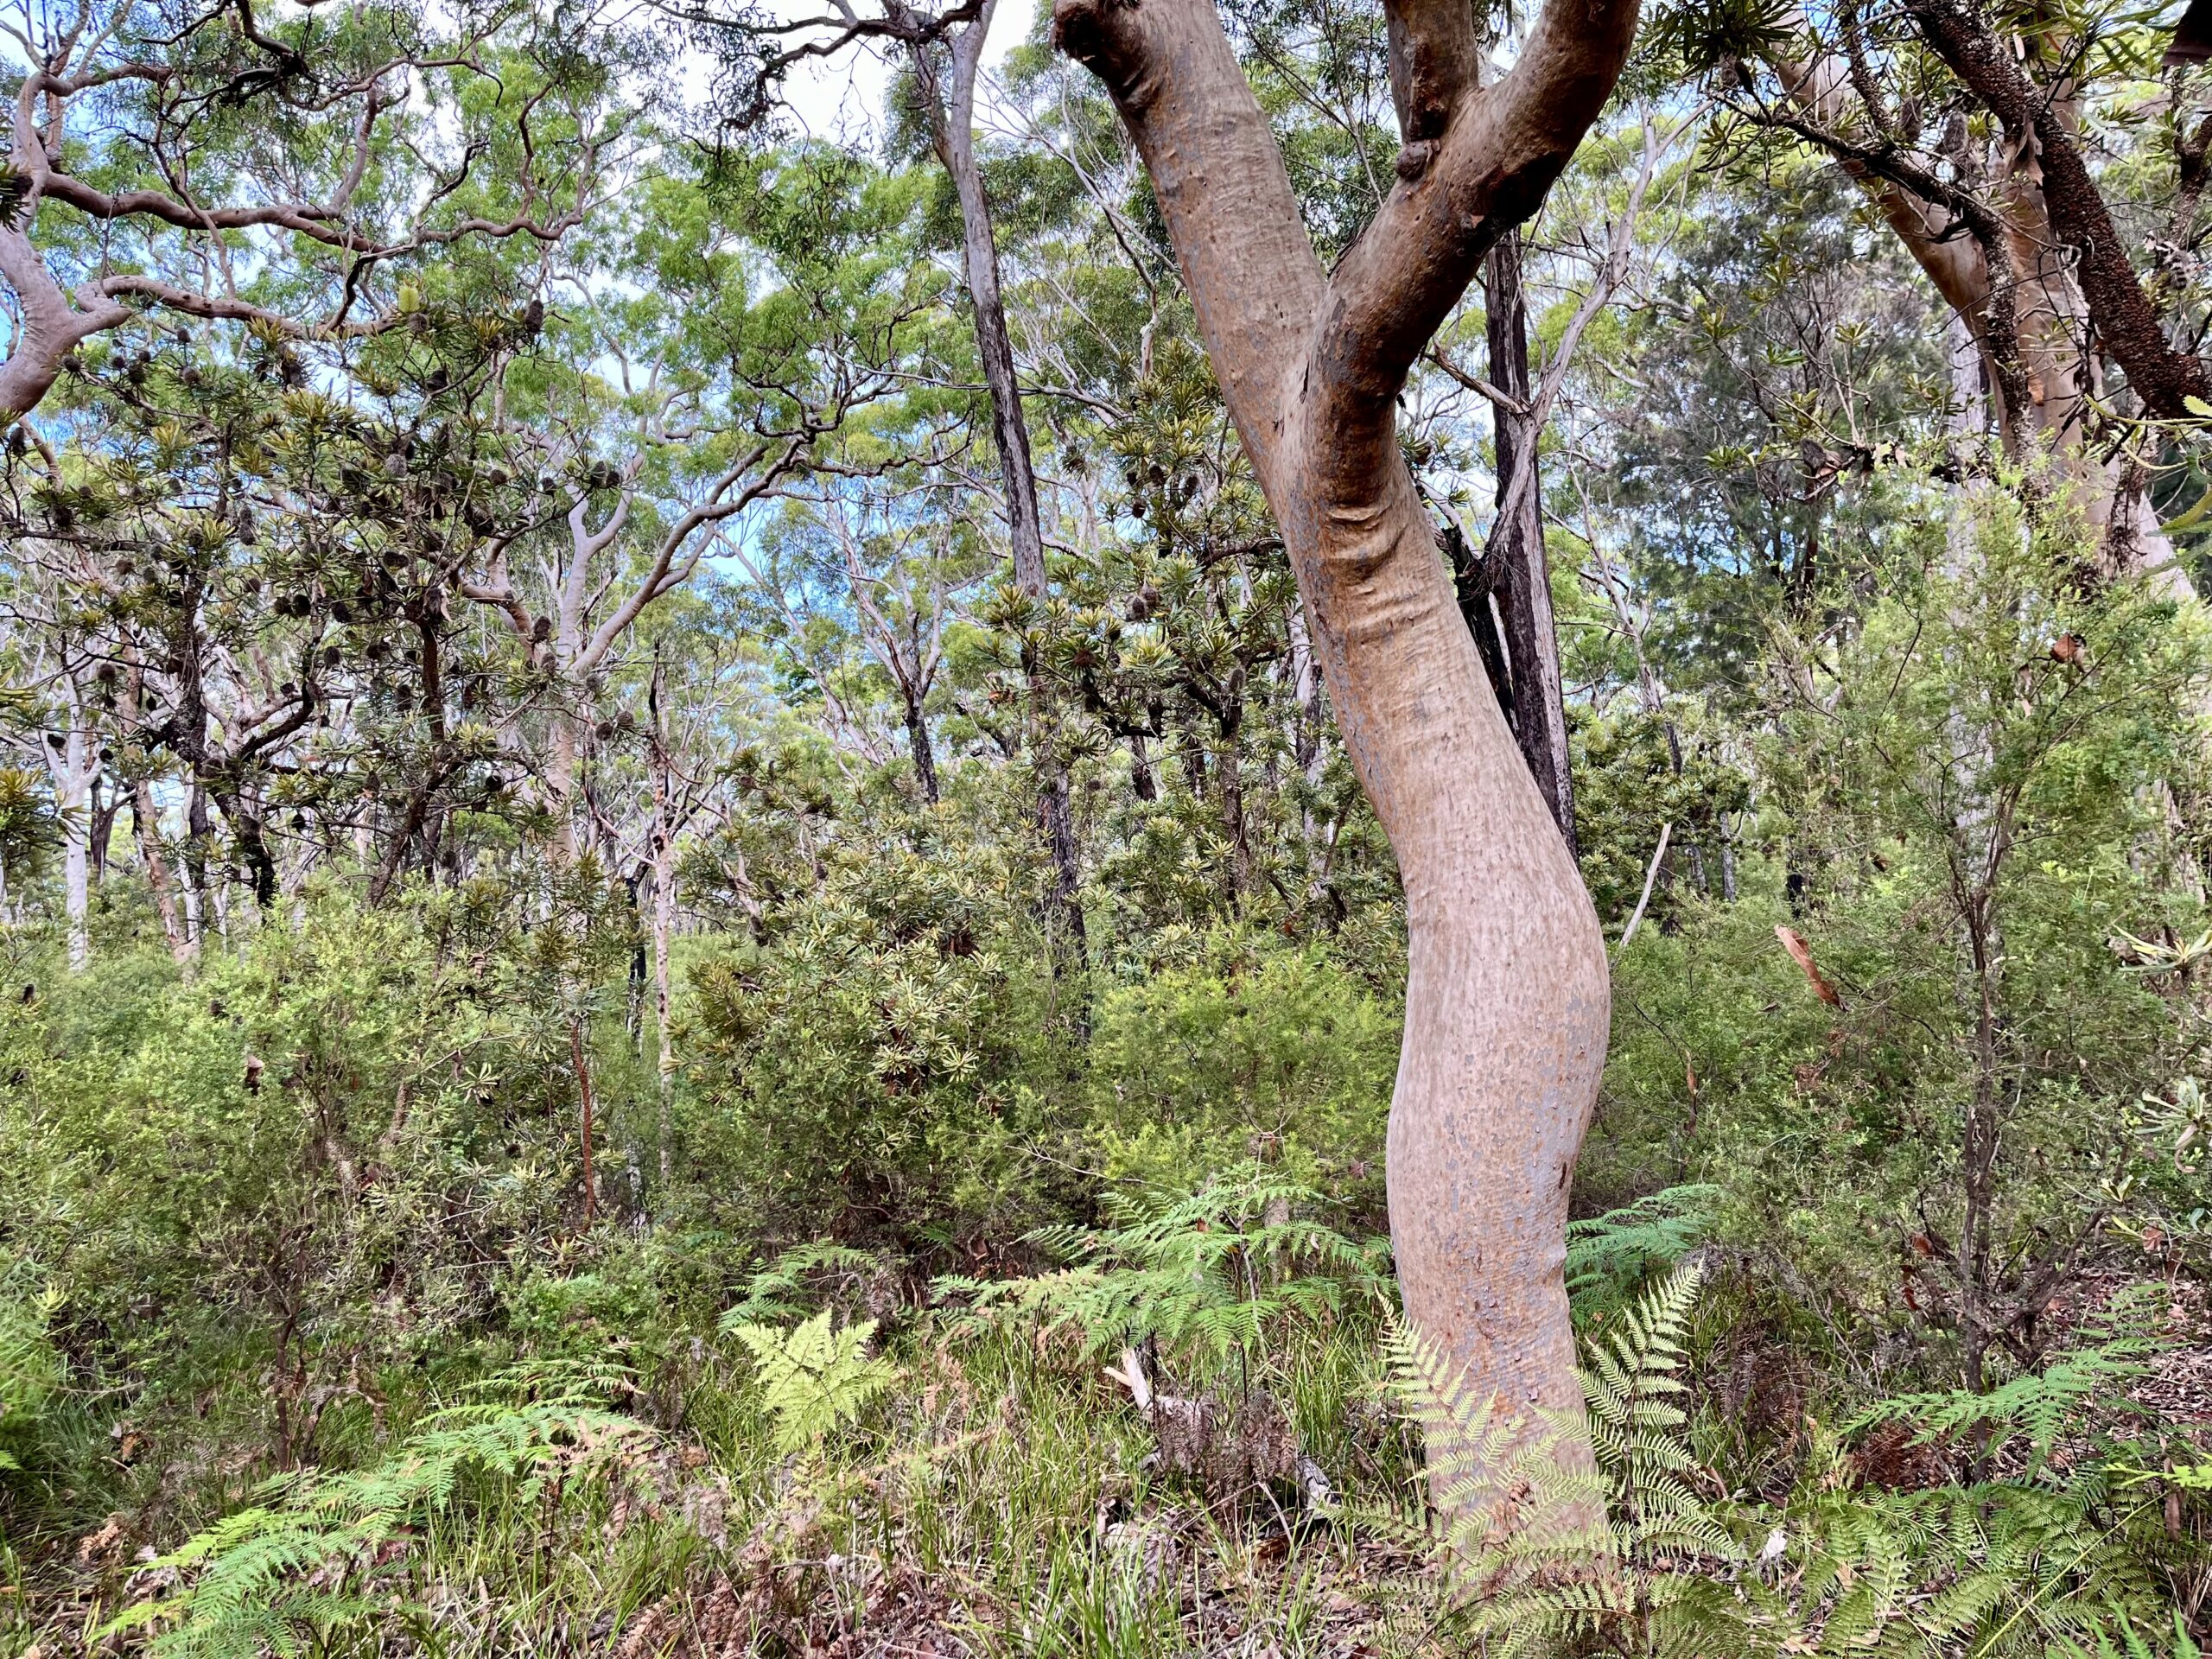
[[73, 769], [1506, 998], [574, 640], [49, 325], [146, 838]]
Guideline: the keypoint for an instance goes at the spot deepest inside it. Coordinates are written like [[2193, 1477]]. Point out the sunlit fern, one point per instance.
[[812, 1377], [2037, 1407]]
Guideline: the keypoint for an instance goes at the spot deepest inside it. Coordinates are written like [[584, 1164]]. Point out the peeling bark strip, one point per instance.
[[1802, 954], [1507, 1002]]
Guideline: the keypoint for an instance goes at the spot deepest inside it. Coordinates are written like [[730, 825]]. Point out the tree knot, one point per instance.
[[1413, 160]]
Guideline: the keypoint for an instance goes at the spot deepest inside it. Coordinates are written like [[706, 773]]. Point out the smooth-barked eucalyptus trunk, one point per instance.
[[1507, 1000]]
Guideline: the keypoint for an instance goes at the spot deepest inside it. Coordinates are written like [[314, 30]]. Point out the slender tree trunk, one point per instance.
[[1140, 779], [197, 833], [105, 812], [1538, 707], [951, 113], [633, 1012], [584, 1103], [560, 781], [917, 741], [73, 775], [1231, 772], [146, 835], [665, 1060], [664, 848]]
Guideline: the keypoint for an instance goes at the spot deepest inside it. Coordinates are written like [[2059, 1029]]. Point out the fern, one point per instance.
[[280, 1575], [1533, 1562], [1629, 1390], [1993, 1570], [777, 1290], [1609, 1255], [2035, 1566], [812, 1378], [1215, 1271], [2042, 1406]]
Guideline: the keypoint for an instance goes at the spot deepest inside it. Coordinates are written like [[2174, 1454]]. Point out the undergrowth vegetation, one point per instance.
[[643, 1016], [929, 1298]]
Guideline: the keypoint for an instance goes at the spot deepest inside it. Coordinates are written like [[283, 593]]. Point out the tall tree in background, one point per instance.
[[1520, 571], [944, 51], [1975, 139], [1507, 1000], [945, 77]]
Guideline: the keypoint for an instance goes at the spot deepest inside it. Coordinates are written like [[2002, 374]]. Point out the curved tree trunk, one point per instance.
[[1507, 1001]]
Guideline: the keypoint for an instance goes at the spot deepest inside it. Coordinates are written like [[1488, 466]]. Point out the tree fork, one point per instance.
[[1507, 1001]]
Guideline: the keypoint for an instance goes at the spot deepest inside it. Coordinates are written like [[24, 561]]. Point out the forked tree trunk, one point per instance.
[[2028, 259], [1506, 998]]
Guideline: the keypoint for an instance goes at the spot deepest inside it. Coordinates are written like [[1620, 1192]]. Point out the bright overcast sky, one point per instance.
[[841, 97]]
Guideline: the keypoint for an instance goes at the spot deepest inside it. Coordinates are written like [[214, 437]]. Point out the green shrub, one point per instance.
[[1240, 1047]]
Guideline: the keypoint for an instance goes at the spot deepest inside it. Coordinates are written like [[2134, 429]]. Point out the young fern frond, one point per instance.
[[812, 1377]]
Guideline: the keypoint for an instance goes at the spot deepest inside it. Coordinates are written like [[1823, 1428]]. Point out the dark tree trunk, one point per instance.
[[918, 739], [1537, 708]]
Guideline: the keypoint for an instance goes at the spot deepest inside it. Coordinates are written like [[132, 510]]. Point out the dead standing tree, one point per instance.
[[1507, 1000]]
